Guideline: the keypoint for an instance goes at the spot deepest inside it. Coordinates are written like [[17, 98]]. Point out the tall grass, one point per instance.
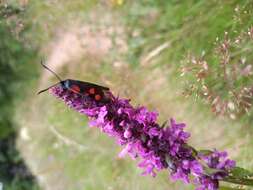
[[194, 28]]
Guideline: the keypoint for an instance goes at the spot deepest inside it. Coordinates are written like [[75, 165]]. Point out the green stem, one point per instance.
[[240, 181], [228, 188]]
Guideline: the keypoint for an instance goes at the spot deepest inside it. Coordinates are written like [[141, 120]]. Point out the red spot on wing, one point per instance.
[[75, 88], [98, 97], [92, 91]]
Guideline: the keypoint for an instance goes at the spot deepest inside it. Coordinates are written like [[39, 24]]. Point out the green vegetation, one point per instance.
[[17, 72], [196, 32], [60, 148]]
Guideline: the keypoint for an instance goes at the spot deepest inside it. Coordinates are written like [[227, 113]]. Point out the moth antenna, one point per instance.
[[47, 88], [57, 76]]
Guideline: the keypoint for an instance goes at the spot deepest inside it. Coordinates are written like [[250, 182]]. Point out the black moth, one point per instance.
[[95, 91]]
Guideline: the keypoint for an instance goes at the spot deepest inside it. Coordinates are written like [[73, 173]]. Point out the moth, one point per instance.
[[94, 91]]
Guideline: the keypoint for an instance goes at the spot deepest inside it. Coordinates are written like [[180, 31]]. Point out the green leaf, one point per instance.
[[228, 188], [205, 152], [238, 180], [241, 172]]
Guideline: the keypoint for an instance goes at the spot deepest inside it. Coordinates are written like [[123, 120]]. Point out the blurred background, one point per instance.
[[190, 60]]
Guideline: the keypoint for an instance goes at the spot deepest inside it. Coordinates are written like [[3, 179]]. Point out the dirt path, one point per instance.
[[68, 48]]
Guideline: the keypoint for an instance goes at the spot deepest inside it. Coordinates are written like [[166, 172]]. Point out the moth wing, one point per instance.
[[93, 90], [88, 85]]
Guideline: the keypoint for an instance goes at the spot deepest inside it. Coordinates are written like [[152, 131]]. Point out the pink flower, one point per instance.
[[158, 148]]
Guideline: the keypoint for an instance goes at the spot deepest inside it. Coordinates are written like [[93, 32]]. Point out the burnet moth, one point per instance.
[[83, 88]]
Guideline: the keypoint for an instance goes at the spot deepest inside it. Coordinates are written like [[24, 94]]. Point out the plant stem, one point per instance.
[[240, 181]]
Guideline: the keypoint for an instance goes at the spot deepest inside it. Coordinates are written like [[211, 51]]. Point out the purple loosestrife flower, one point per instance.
[[221, 165], [158, 148]]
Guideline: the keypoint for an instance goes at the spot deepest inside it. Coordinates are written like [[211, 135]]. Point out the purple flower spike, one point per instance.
[[157, 148]]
